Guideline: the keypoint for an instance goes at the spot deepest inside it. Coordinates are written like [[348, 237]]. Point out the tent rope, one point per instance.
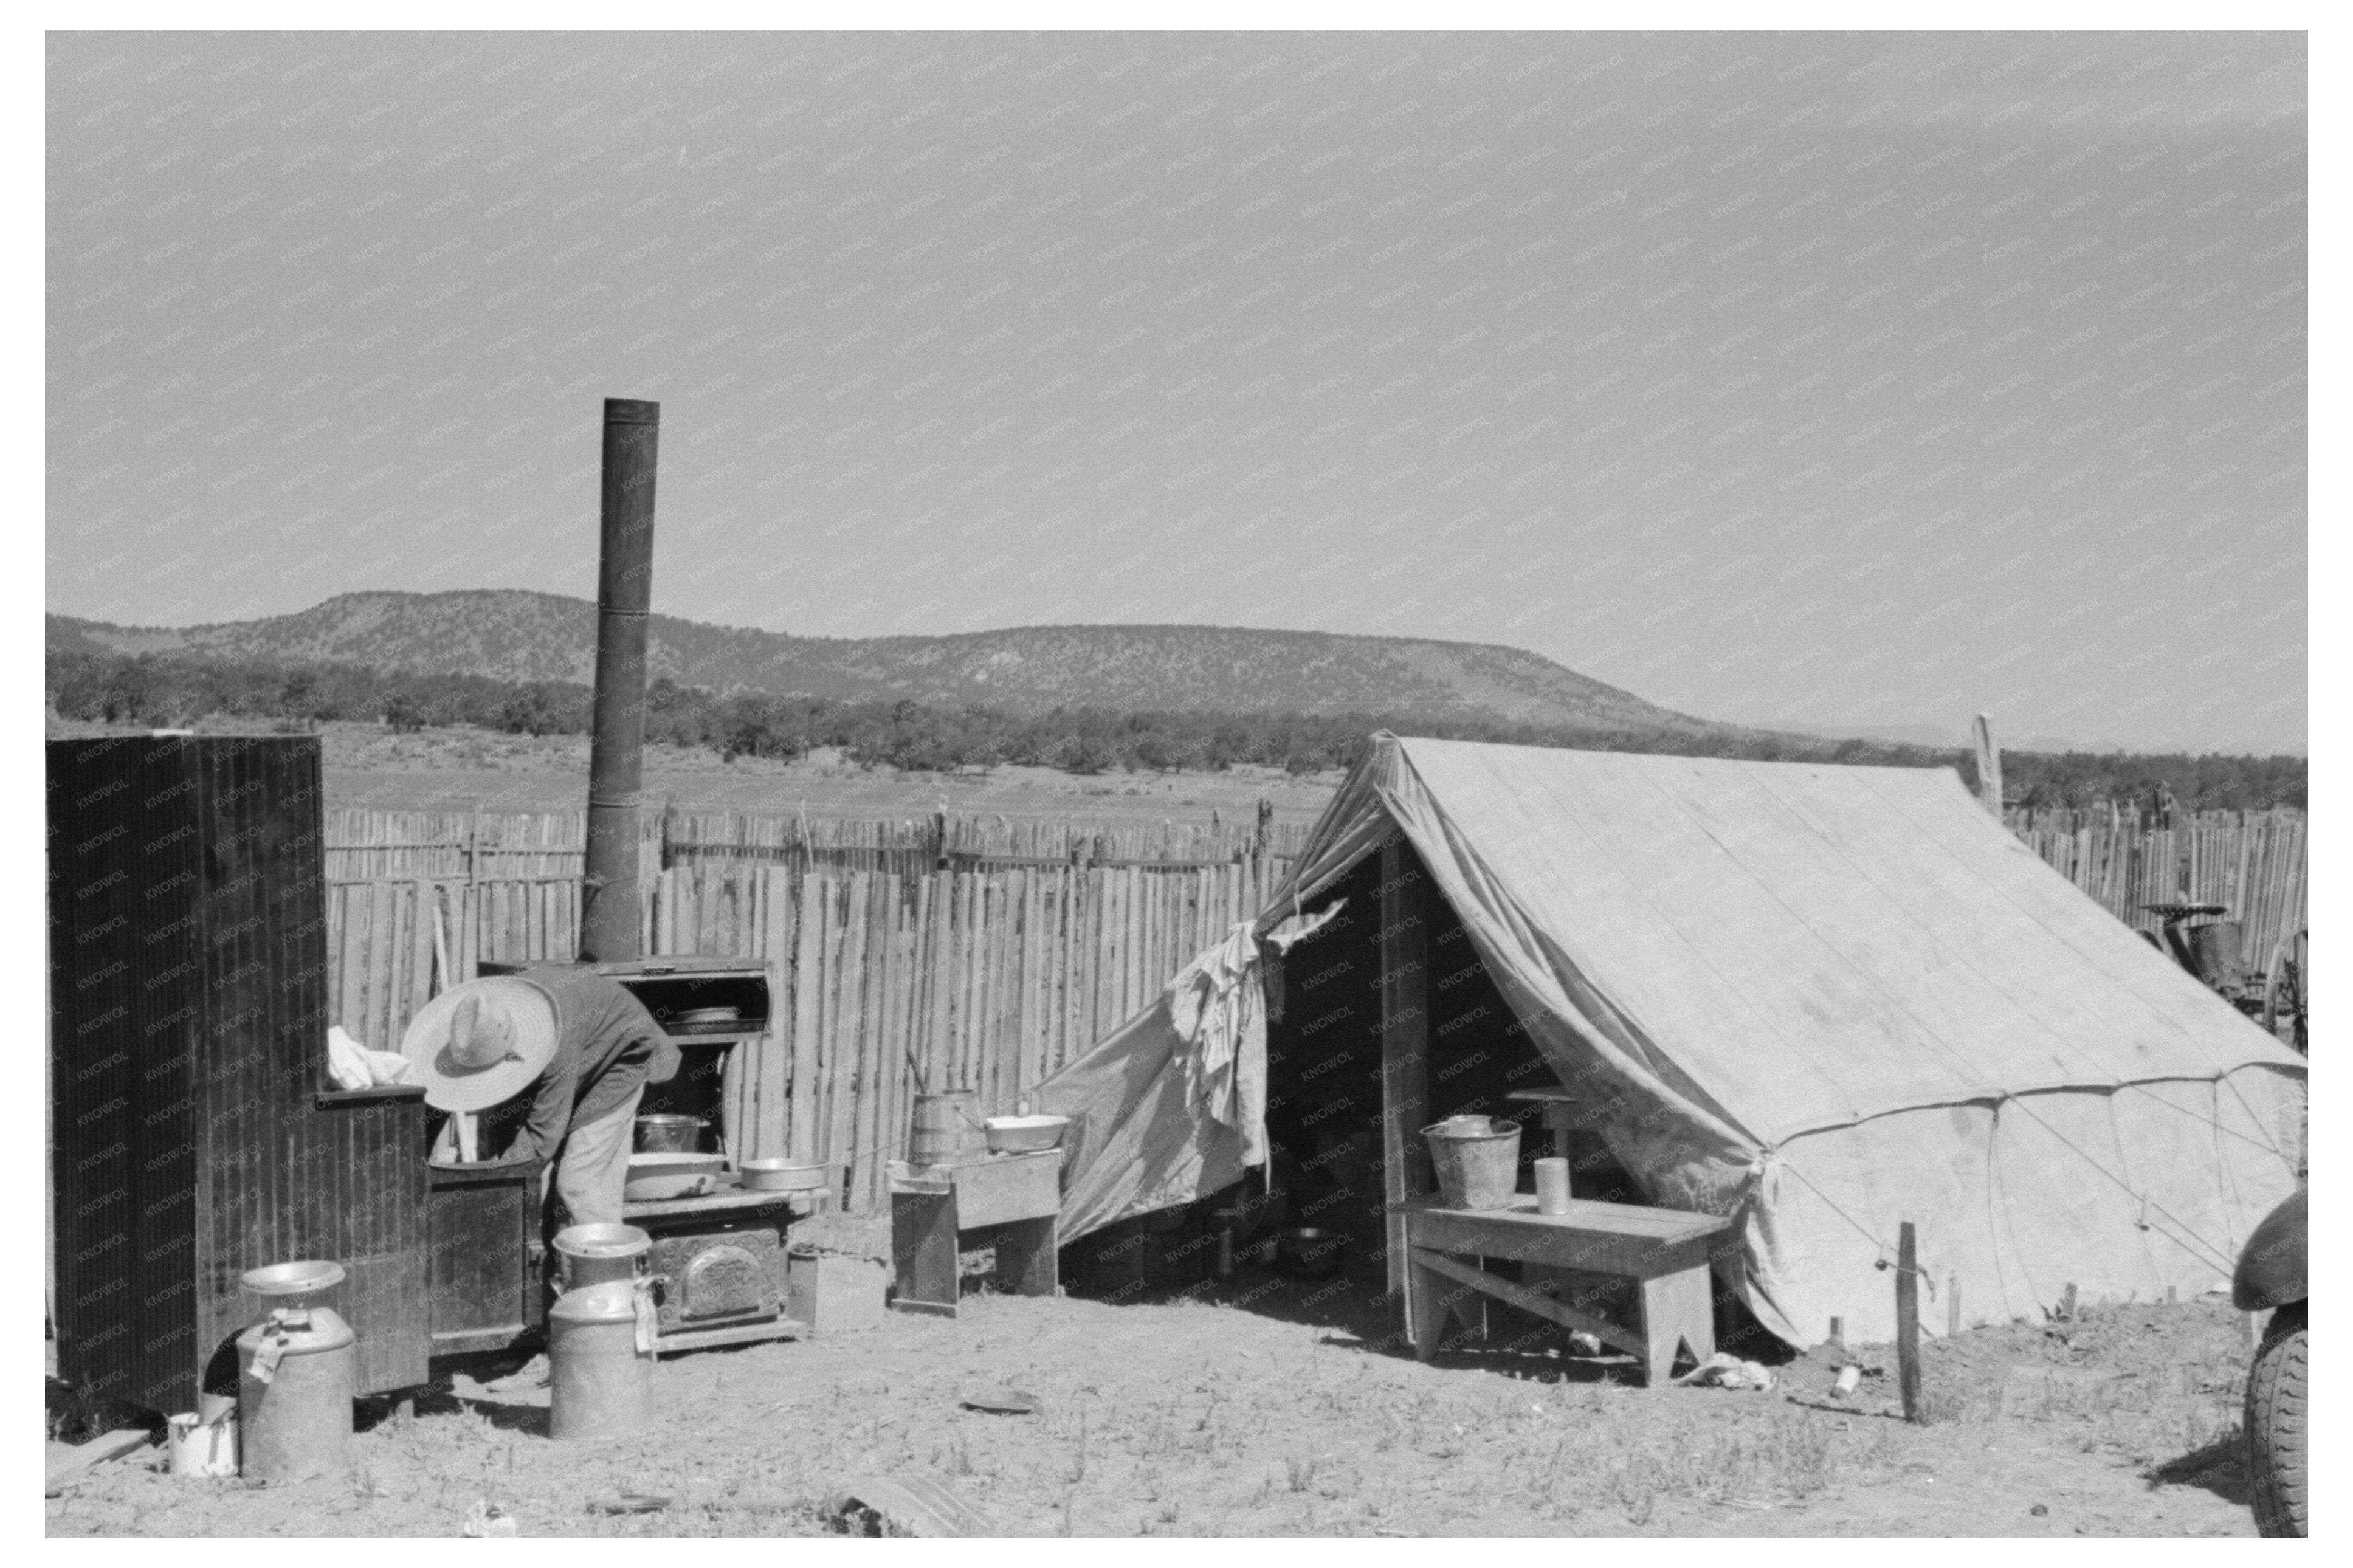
[[2264, 1144], [2179, 1232], [1861, 1228], [2189, 1239]]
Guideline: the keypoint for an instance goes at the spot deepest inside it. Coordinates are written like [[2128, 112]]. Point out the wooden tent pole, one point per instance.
[[1404, 1041], [1989, 766]]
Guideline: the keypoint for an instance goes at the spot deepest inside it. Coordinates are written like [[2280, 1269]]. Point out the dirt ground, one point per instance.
[[1272, 1407]]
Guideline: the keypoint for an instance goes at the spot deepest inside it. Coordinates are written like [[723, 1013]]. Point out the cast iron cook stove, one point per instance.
[[718, 1260], [718, 1264]]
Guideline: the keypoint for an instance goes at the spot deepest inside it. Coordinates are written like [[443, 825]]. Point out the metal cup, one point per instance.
[[1552, 1185]]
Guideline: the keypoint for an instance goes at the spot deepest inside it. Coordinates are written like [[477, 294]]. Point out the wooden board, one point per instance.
[[874, 919], [1527, 1300], [916, 1507], [67, 1463], [807, 972], [1008, 1187]]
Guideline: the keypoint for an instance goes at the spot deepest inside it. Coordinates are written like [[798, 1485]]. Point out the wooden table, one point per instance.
[[1666, 1251], [1018, 1197]]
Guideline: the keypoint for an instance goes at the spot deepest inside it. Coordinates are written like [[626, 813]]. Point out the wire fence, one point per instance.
[[367, 845]]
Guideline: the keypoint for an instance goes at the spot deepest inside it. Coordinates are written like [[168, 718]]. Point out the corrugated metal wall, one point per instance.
[[189, 991]]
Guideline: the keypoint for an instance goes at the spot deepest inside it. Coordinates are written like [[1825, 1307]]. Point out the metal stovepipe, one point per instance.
[[608, 895]]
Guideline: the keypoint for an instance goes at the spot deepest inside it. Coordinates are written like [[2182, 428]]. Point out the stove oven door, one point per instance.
[[708, 1280]]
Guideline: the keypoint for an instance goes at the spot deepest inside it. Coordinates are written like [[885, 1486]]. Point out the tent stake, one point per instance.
[[1907, 1323]]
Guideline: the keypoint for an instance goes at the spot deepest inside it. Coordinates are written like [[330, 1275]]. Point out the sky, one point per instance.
[[1826, 380]]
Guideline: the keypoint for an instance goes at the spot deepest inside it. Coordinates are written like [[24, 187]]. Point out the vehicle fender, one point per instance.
[[2270, 1271]]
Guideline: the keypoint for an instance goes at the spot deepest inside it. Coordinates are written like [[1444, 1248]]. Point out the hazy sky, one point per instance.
[[1824, 379]]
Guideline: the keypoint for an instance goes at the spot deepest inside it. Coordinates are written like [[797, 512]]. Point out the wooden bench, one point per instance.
[[1666, 1252]]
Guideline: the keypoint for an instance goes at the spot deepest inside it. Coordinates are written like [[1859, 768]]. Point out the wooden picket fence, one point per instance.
[[364, 845], [2250, 862], [881, 984]]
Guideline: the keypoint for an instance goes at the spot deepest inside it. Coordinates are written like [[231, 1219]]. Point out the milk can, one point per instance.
[[600, 1356], [296, 1372]]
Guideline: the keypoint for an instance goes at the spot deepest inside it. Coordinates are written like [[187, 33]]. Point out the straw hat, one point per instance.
[[481, 1043]]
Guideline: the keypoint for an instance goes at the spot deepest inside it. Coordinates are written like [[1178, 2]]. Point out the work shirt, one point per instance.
[[607, 1047]]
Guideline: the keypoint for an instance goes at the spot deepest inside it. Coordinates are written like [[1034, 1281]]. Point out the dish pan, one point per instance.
[[1024, 1134], [782, 1175], [656, 1189], [666, 1162]]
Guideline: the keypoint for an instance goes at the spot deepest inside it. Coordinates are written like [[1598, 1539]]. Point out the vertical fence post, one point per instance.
[[1989, 766], [1907, 1324]]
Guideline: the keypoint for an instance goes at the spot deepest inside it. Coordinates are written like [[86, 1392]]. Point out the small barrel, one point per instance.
[[600, 1384], [947, 1125]]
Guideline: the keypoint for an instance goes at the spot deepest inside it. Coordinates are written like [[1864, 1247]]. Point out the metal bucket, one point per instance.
[[594, 1254], [1477, 1159], [664, 1134], [947, 1125], [202, 1448]]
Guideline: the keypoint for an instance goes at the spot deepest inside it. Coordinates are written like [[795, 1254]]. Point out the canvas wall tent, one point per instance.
[[1828, 1000]]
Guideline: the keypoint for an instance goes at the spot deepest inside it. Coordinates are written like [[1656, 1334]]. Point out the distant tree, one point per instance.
[[527, 712], [1083, 753]]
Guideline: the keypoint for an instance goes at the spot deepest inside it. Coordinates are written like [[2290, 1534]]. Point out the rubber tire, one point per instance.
[[2278, 1434]]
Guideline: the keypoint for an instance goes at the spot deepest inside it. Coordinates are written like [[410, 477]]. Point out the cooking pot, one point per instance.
[[662, 1132], [1310, 1252]]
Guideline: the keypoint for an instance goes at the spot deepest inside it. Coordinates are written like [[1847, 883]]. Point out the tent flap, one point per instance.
[[1171, 1106]]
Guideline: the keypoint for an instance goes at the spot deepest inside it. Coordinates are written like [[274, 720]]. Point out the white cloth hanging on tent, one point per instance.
[[1215, 1006], [1171, 1106]]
